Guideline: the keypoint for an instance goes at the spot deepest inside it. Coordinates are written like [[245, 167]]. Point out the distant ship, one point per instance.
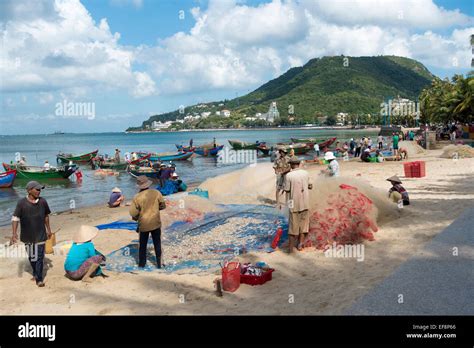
[[58, 132]]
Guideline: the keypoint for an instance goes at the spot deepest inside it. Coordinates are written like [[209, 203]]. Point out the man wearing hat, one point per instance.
[[297, 186], [145, 209], [32, 212], [397, 192], [117, 156], [116, 198], [365, 157], [333, 167], [281, 167]]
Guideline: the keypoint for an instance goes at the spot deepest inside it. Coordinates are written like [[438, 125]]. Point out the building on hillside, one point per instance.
[[271, 115], [158, 125], [342, 117], [205, 114], [225, 113]]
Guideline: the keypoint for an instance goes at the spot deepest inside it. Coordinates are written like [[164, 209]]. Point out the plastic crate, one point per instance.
[[418, 169], [407, 167], [256, 280]]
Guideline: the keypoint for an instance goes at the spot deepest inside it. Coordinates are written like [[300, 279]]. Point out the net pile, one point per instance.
[[349, 218], [412, 147], [458, 151]]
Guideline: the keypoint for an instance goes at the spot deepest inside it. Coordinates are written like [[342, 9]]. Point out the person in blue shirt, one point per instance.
[[83, 261], [116, 198]]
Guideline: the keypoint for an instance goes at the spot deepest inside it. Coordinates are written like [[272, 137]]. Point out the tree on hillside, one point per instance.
[[331, 120]]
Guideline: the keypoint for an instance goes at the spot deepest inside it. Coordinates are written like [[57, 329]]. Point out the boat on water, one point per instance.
[[169, 156], [7, 178], [82, 159], [137, 171], [300, 149], [203, 150], [39, 173], [242, 145], [311, 141], [100, 162]]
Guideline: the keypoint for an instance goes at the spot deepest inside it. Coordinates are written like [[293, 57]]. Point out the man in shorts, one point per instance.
[[297, 187]]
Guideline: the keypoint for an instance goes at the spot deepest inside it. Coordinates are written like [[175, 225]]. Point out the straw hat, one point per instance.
[[85, 234], [143, 182], [174, 175], [116, 189], [394, 179], [329, 156]]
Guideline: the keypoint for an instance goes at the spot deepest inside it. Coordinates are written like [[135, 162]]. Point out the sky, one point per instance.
[[114, 63]]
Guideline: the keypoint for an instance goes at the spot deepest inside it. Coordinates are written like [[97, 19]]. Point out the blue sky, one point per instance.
[[135, 58]]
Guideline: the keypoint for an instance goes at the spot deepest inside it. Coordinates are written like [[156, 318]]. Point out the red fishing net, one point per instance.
[[349, 218]]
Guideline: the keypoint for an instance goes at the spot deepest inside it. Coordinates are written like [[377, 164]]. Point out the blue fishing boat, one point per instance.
[[7, 178], [169, 156], [204, 150]]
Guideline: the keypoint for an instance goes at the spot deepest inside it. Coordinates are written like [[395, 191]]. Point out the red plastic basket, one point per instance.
[[418, 169], [256, 280], [231, 276]]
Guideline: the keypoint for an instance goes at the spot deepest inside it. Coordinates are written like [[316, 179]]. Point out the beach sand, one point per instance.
[[304, 283]]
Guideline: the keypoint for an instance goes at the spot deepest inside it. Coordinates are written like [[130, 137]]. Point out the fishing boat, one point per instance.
[[242, 145], [170, 156], [203, 150], [300, 149], [113, 165], [137, 171], [7, 178], [39, 173], [264, 149], [311, 141], [84, 158]]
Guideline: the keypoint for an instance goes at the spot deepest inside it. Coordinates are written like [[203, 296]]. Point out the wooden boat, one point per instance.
[[264, 149], [136, 171], [242, 145], [84, 158], [39, 173], [311, 141], [170, 156], [141, 158], [7, 178], [203, 150], [300, 149], [113, 165]]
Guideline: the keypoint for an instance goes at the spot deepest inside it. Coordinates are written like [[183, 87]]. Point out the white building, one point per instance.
[[271, 115], [225, 113], [205, 114], [158, 125], [342, 117]]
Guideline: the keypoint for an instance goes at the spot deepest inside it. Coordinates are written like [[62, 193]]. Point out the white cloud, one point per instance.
[[234, 45], [145, 86], [63, 50], [45, 98]]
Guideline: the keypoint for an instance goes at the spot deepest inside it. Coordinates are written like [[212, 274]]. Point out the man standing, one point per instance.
[[380, 141], [395, 140], [33, 214], [281, 167], [145, 209], [117, 156], [297, 186], [316, 149]]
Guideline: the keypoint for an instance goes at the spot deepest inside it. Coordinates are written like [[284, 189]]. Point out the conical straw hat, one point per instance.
[[395, 179], [85, 234]]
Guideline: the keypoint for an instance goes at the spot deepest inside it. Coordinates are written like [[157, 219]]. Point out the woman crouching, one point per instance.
[[83, 261]]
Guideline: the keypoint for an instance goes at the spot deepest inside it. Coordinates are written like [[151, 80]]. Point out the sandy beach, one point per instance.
[[304, 283]]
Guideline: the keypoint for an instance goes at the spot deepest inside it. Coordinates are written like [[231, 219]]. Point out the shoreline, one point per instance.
[[342, 128]]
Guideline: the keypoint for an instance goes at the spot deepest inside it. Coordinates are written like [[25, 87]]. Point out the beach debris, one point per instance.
[[218, 286], [457, 151]]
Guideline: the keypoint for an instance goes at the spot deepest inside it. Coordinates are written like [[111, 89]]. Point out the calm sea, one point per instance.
[[95, 190]]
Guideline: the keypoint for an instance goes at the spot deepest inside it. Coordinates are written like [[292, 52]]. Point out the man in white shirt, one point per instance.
[[333, 167], [380, 141], [297, 186], [46, 166], [316, 149]]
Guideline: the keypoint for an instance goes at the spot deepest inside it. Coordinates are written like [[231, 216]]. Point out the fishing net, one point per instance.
[[349, 218], [458, 151], [204, 243]]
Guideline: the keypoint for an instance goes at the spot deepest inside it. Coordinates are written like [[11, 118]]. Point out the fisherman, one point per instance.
[[116, 198], [403, 153], [145, 209], [380, 141], [134, 156], [191, 143], [32, 212], [365, 157], [379, 156], [397, 192], [297, 185], [46, 166], [358, 148], [352, 146], [164, 174], [83, 261], [281, 167], [316, 149], [395, 139], [333, 167], [117, 156], [22, 161], [214, 144]]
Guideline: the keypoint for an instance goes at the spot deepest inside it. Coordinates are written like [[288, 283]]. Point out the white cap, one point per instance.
[[329, 156]]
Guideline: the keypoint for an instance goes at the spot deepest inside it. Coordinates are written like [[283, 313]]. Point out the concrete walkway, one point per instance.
[[433, 282]]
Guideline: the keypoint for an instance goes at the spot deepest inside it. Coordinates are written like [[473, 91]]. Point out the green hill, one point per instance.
[[326, 86]]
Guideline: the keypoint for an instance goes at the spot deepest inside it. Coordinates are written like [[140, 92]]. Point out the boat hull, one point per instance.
[[115, 166], [180, 156], [82, 159], [41, 175], [201, 150], [7, 178], [240, 145]]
